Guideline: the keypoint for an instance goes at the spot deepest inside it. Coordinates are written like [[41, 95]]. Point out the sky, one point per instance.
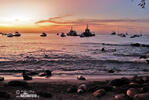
[[103, 16]]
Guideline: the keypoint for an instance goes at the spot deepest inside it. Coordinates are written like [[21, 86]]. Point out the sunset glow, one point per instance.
[[56, 16]]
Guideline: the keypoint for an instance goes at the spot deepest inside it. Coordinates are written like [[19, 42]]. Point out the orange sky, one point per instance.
[[59, 15]]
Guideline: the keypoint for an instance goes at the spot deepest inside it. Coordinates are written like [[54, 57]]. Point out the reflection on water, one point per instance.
[[73, 55]]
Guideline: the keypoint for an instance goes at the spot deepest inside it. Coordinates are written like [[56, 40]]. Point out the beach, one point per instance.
[[67, 58]]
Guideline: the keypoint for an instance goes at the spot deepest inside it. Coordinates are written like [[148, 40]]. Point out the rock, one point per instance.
[[111, 71], [103, 49], [80, 91], [142, 96], [147, 61], [119, 82], [25, 76], [134, 85], [145, 70], [1, 78], [131, 92], [81, 78], [4, 95], [72, 89], [145, 78], [121, 89], [99, 93], [44, 94], [120, 97], [46, 73], [143, 57], [136, 44], [82, 88], [18, 83], [32, 73], [137, 79]]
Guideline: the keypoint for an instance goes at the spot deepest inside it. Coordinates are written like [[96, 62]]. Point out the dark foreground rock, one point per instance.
[[99, 93], [44, 94], [1, 78], [17, 83], [4, 95]]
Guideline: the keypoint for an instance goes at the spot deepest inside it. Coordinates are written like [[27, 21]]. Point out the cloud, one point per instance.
[[62, 21]]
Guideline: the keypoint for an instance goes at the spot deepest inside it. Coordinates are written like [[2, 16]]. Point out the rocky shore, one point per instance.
[[135, 88]]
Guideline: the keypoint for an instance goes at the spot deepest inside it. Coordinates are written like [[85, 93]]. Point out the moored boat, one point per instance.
[[43, 34]]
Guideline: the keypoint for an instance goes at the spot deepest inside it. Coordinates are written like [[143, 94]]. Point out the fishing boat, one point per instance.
[[43, 34], [10, 35], [63, 35], [17, 34], [87, 33]]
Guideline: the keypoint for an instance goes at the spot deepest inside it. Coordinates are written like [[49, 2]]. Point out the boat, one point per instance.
[[87, 33], [72, 32], [17, 34], [113, 33], [63, 35], [43, 34], [10, 35]]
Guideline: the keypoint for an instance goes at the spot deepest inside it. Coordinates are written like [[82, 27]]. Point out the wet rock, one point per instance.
[[120, 97], [142, 96], [17, 83], [143, 57], [46, 73], [147, 61], [4, 95], [99, 93], [25, 76], [81, 78], [103, 49], [119, 82], [72, 89], [82, 88], [145, 45], [1, 78], [80, 91], [111, 71], [145, 78], [137, 79], [145, 70], [32, 73], [134, 85], [136, 44], [44, 94], [121, 89], [131, 92], [107, 87]]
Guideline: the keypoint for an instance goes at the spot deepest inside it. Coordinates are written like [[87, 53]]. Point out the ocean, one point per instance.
[[74, 55]]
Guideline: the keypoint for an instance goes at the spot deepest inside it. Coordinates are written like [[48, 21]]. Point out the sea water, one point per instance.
[[74, 55]]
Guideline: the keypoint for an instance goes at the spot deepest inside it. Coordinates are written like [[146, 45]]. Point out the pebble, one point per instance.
[[131, 92], [120, 97], [99, 93], [82, 88], [81, 78]]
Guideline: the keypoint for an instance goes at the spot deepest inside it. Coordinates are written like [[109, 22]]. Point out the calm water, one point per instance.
[[74, 55]]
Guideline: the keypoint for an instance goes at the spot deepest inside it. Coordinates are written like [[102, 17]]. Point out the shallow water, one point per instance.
[[73, 55]]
